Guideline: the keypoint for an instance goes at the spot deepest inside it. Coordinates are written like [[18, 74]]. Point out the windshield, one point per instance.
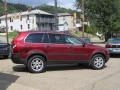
[[114, 40], [87, 40]]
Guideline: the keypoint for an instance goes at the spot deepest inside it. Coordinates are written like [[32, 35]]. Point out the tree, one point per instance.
[[12, 7], [104, 14], [50, 9]]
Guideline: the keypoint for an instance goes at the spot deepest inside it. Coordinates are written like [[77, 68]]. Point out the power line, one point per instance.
[[83, 18], [56, 15], [5, 10]]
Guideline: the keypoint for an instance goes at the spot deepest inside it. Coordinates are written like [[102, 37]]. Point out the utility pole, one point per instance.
[[83, 18], [5, 10], [56, 15]]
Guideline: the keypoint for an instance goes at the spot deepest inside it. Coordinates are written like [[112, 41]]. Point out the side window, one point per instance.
[[56, 38], [45, 38], [72, 40], [34, 38]]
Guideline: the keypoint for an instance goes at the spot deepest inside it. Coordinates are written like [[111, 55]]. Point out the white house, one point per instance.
[[29, 20], [65, 21]]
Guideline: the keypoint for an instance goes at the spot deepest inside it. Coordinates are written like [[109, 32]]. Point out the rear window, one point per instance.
[[114, 40], [34, 38]]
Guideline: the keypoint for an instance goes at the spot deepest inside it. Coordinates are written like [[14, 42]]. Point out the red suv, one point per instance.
[[36, 49]]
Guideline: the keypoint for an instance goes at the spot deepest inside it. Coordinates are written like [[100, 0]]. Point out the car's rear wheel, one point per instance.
[[98, 62], [36, 64]]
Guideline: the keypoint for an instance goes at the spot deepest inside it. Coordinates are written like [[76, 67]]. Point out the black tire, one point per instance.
[[97, 62], [6, 56], [36, 64]]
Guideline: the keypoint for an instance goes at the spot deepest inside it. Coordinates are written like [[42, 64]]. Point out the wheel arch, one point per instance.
[[35, 54]]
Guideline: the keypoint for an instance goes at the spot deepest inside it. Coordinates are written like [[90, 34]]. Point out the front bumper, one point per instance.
[[17, 60]]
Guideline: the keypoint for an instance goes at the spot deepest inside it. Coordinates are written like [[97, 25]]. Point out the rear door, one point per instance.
[[33, 44], [57, 49]]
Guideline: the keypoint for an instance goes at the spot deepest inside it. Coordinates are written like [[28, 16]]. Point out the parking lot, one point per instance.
[[60, 77]]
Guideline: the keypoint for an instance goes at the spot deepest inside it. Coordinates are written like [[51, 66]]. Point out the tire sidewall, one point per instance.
[[29, 64]]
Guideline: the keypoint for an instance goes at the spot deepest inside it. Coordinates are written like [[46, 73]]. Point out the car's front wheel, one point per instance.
[[98, 62], [36, 64]]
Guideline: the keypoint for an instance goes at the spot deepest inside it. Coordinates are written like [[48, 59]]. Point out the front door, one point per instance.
[[77, 50]]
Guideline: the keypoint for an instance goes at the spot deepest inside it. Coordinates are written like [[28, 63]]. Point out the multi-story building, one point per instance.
[[28, 20], [65, 21]]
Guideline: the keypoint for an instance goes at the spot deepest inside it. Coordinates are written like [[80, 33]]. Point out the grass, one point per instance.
[[12, 34], [79, 34]]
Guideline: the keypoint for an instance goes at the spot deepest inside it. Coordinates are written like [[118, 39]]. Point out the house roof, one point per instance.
[[32, 12], [64, 14]]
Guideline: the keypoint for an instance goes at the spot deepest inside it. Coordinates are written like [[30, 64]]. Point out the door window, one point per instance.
[[45, 38], [72, 40], [56, 38]]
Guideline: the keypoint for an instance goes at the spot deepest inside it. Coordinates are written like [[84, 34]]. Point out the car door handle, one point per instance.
[[69, 47], [47, 46]]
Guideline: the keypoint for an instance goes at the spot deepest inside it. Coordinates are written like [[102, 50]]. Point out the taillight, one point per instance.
[[14, 46], [108, 46]]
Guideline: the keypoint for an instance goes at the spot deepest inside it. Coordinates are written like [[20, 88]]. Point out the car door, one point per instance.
[[57, 49], [77, 49]]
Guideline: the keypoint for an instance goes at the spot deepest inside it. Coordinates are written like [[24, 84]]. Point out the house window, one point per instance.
[[11, 28], [0, 20], [11, 20], [64, 18], [28, 17], [21, 26], [28, 26], [20, 18]]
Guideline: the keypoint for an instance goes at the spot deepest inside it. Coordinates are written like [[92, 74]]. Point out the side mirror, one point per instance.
[[91, 43], [84, 44]]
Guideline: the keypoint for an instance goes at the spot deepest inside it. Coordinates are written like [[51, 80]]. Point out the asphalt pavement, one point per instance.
[[60, 77]]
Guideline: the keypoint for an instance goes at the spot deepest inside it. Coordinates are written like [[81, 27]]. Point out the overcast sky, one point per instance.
[[61, 3]]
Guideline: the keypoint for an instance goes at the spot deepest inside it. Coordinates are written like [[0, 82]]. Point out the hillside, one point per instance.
[[19, 7], [51, 9], [12, 8]]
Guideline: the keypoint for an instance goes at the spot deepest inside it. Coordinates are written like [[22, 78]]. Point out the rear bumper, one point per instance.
[[113, 51], [17, 60]]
